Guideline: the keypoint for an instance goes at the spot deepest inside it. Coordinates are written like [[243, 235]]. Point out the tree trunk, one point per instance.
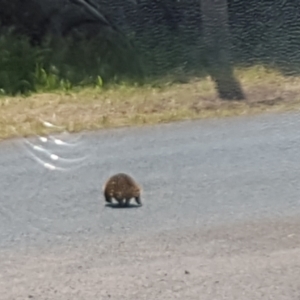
[[217, 43]]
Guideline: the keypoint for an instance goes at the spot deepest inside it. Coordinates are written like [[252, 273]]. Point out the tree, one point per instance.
[[217, 43]]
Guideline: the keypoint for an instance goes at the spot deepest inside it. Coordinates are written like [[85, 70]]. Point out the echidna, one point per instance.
[[122, 187]]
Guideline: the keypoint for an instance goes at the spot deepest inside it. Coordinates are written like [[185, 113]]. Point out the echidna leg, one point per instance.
[[107, 198], [127, 202], [120, 202], [138, 200]]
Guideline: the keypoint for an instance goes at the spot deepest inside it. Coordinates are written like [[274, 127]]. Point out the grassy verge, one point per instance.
[[125, 105]]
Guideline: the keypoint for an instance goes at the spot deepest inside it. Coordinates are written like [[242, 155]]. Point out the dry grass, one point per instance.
[[125, 106]]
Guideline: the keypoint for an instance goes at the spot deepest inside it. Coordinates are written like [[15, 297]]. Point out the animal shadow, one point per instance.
[[117, 206]]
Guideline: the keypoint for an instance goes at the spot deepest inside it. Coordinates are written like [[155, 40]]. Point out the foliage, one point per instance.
[[61, 64], [264, 33]]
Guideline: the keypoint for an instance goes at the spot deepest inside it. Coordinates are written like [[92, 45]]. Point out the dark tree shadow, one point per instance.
[[227, 86], [217, 41]]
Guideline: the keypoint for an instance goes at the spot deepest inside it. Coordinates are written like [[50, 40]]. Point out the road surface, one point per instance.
[[220, 215]]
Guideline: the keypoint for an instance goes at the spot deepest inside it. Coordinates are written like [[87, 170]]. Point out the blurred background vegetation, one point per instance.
[[65, 47]]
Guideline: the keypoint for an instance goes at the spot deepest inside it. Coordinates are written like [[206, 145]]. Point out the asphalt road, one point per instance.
[[203, 183]]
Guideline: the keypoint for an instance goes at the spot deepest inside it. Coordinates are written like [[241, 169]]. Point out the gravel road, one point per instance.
[[220, 215]]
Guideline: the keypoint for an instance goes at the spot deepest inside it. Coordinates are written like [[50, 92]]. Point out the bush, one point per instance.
[[61, 64], [109, 58]]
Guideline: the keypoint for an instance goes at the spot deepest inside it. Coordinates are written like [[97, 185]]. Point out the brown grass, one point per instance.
[[125, 106]]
